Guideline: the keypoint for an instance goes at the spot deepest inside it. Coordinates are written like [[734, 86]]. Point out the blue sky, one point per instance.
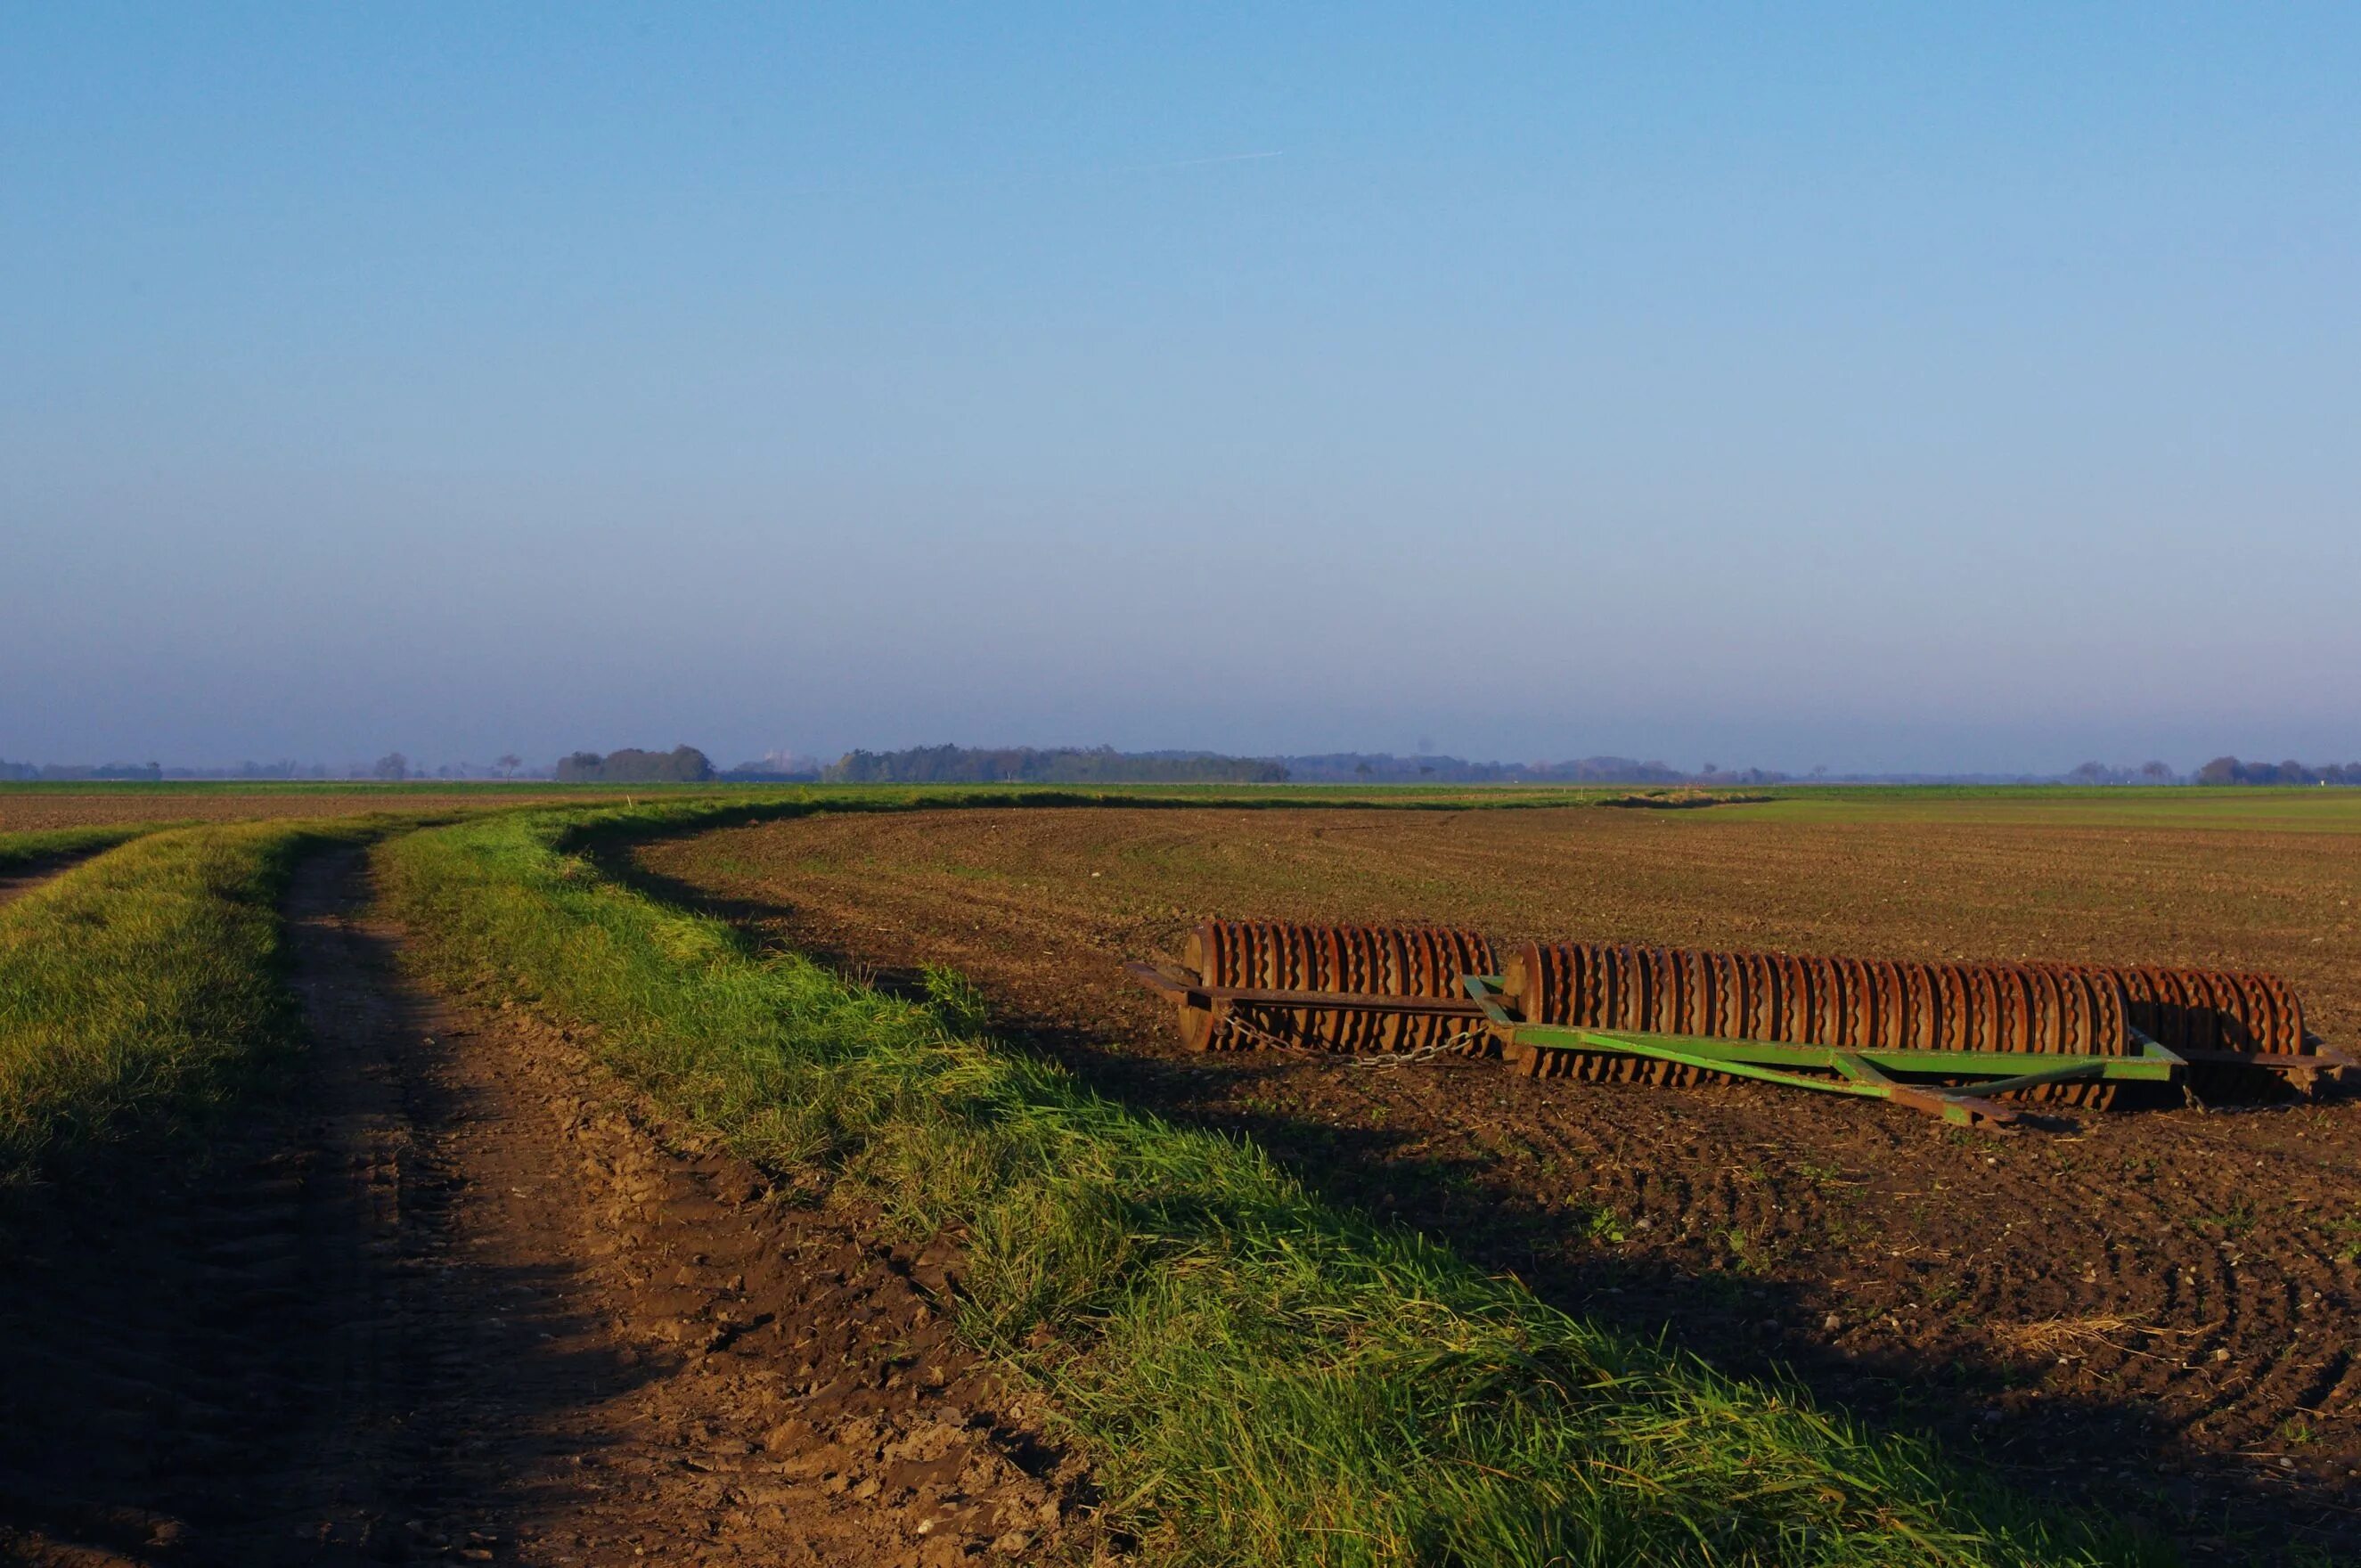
[[1876, 387]]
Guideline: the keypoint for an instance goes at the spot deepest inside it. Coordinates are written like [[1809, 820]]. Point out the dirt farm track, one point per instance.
[[2155, 1309], [453, 1296]]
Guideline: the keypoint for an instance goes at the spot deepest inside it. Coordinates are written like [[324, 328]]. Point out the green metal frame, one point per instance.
[[1871, 1074]]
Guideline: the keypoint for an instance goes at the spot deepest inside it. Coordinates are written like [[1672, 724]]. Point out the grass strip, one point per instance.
[[23, 852], [142, 988], [1259, 1377]]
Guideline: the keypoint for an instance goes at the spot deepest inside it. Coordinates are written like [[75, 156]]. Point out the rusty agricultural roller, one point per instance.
[[1968, 1042], [2212, 1012], [1849, 1005], [1247, 983]]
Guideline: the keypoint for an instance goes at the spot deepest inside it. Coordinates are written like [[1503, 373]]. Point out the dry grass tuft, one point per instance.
[[2057, 1336]]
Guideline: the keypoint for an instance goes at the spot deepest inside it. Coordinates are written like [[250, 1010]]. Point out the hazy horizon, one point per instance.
[[1883, 391], [348, 765]]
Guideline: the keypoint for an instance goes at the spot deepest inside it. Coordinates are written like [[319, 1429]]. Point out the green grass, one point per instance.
[[19, 851], [1258, 1376], [141, 989], [2246, 809]]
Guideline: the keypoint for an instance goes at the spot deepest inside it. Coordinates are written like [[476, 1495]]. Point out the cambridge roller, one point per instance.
[[1851, 1005], [1952, 1040], [1364, 961]]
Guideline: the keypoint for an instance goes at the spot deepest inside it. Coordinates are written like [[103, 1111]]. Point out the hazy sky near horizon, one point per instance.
[[1943, 388]]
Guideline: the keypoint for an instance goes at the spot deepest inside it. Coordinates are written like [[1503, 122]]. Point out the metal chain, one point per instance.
[[1451, 1045]]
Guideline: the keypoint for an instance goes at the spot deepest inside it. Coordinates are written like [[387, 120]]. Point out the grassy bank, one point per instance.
[[1258, 1376], [26, 852], [140, 988]]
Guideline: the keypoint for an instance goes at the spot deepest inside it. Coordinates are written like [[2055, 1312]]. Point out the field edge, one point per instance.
[[1240, 1358]]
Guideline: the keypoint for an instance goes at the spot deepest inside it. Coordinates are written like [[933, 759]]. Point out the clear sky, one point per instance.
[[1968, 387]]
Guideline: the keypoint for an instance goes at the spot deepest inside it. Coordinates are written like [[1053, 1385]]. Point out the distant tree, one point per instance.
[[394, 767], [508, 762], [2230, 770], [1025, 765], [2090, 773], [682, 764], [2155, 773]]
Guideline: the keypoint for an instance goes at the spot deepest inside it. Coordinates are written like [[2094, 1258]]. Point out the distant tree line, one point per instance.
[[2101, 773], [52, 772], [2230, 770], [1384, 767], [394, 767], [284, 769], [1105, 764], [774, 767], [682, 764], [1025, 764], [2220, 771]]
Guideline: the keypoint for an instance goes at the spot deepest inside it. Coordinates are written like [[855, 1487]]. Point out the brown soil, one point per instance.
[[2157, 1310], [452, 1295]]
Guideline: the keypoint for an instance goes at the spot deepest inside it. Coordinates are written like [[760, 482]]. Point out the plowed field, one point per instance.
[[2157, 1309]]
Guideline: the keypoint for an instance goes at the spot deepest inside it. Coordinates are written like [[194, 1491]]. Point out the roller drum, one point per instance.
[[2212, 1010], [1379, 961], [1849, 1004]]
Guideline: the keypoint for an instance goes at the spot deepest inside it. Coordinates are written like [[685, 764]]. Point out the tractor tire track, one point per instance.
[[457, 1296]]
